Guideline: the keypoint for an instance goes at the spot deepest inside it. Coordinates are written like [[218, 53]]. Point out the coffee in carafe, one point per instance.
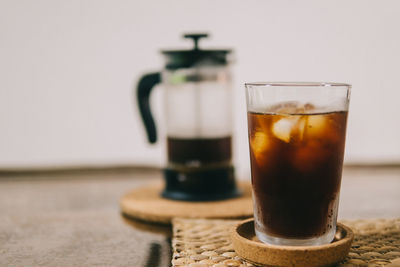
[[199, 151]]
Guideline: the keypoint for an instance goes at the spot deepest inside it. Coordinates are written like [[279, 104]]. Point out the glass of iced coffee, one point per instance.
[[297, 135]]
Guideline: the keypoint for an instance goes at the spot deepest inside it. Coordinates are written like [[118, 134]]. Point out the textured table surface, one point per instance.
[[73, 219]]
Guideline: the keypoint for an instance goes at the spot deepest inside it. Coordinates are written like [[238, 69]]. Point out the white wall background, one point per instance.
[[67, 70]]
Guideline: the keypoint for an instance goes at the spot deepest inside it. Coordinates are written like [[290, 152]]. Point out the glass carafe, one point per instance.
[[198, 114]]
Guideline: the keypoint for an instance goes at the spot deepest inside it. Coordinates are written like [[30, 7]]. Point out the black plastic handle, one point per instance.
[[145, 85]]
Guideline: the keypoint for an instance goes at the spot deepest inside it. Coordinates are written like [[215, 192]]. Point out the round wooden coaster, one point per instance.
[[247, 245], [146, 204]]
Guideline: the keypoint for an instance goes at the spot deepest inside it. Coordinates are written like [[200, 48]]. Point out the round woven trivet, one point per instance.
[[247, 246], [206, 243], [146, 204]]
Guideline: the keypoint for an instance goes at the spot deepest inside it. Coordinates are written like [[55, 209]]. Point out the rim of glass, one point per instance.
[[299, 84]]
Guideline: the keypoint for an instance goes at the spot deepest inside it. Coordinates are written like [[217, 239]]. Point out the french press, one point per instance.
[[198, 113]]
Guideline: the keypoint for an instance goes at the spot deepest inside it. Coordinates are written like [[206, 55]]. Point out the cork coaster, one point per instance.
[[247, 246], [203, 243], [146, 204]]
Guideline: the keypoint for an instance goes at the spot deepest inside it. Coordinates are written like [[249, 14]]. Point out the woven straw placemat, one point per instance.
[[203, 243]]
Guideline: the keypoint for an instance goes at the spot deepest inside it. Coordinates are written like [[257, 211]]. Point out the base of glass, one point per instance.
[[314, 241]]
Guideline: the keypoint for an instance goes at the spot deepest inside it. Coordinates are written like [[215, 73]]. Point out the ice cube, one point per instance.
[[301, 125], [316, 125], [260, 146], [309, 107], [284, 127], [323, 127], [290, 107], [259, 142]]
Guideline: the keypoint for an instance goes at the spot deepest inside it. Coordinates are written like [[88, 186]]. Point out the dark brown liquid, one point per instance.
[[199, 151], [296, 165], [200, 169]]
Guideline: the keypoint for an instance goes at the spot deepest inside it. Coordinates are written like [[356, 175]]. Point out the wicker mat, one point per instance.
[[203, 243]]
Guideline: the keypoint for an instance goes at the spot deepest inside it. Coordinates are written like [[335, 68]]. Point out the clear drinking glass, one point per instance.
[[297, 136]]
